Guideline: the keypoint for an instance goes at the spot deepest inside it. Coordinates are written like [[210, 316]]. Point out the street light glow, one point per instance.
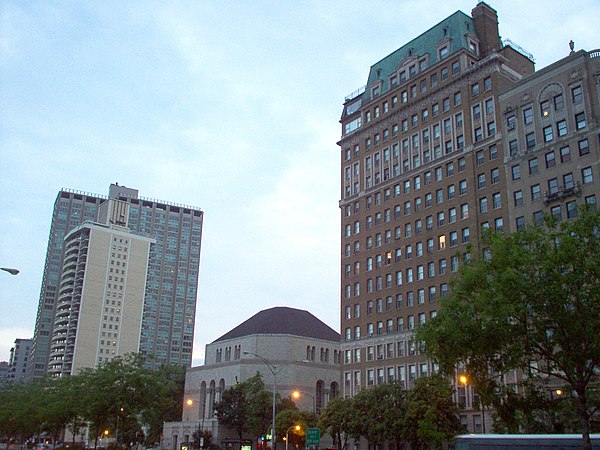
[[463, 379]]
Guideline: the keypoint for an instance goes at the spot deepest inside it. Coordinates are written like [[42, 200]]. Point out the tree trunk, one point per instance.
[[584, 418]]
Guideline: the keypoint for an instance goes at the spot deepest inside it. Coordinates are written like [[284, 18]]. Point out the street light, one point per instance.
[[287, 438], [10, 270], [274, 370], [297, 394]]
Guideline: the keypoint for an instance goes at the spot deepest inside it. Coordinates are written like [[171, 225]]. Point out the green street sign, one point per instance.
[[313, 436]]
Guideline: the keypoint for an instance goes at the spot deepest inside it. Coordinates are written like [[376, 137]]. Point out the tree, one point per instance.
[[336, 419], [431, 415], [528, 301], [289, 418], [243, 407], [379, 413]]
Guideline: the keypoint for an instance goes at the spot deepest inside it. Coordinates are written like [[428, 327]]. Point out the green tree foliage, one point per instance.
[[528, 301], [337, 419], [120, 396], [431, 415], [379, 413], [245, 407]]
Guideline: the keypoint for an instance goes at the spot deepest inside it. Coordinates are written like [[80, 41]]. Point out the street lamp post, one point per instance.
[[10, 270], [297, 394], [287, 437], [274, 370]]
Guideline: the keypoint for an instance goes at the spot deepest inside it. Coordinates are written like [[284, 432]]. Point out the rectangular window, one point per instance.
[[530, 139], [550, 160], [577, 94], [587, 175], [533, 166], [561, 128], [536, 192], [584, 147], [580, 121], [528, 116], [548, 133], [516, 172], [565, 154], [518, 197]]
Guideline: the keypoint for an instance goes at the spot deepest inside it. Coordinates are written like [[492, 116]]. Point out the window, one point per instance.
[[571, 209], [487, 84], [493, 152], [533, 166], [580, 121], [461, 164], [452, 215], [451, 192], [491, 128], [584, 147], [516, 172], [433, 79], [483, 205], [495, 176], [476, 112], [538, 218], [457, 98], [481, 181], [548, 133], [577, 94], [465, 235], [498, 224], [568, 181], [444, 73], [455, 67], [550, 160], [536, 192], [545, 108], [556, 213], [513, 148], [530, 139], [489, 106], [520, 223], [464, 211], [587, 175], [458, 120], [446, 104], [497, 200], [561, 128], [443, 53], [480, 157], [462, 187], [553, 186], [565, 154], [528, 115], [510, 122], [518, 197], [559, 102]]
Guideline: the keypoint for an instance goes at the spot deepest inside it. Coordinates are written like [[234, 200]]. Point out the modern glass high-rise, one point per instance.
[[169, 308]]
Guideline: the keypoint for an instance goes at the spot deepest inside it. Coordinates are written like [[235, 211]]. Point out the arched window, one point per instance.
[[202, 402], [319, 396], [334, 390]]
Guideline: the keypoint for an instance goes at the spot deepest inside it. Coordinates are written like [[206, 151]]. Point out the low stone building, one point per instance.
[[290, 348]]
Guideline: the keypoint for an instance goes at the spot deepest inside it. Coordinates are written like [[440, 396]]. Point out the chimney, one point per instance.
[[486, 28]]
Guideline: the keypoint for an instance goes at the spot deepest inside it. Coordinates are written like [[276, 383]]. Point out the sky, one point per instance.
[[230, 106]]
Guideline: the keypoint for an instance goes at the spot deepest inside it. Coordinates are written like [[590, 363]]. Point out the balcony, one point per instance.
[[562, 193]]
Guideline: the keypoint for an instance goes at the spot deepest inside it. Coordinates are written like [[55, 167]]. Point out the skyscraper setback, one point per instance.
[[146, 304]]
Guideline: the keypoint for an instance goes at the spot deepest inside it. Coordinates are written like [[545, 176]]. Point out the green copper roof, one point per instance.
[[455, 28]]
